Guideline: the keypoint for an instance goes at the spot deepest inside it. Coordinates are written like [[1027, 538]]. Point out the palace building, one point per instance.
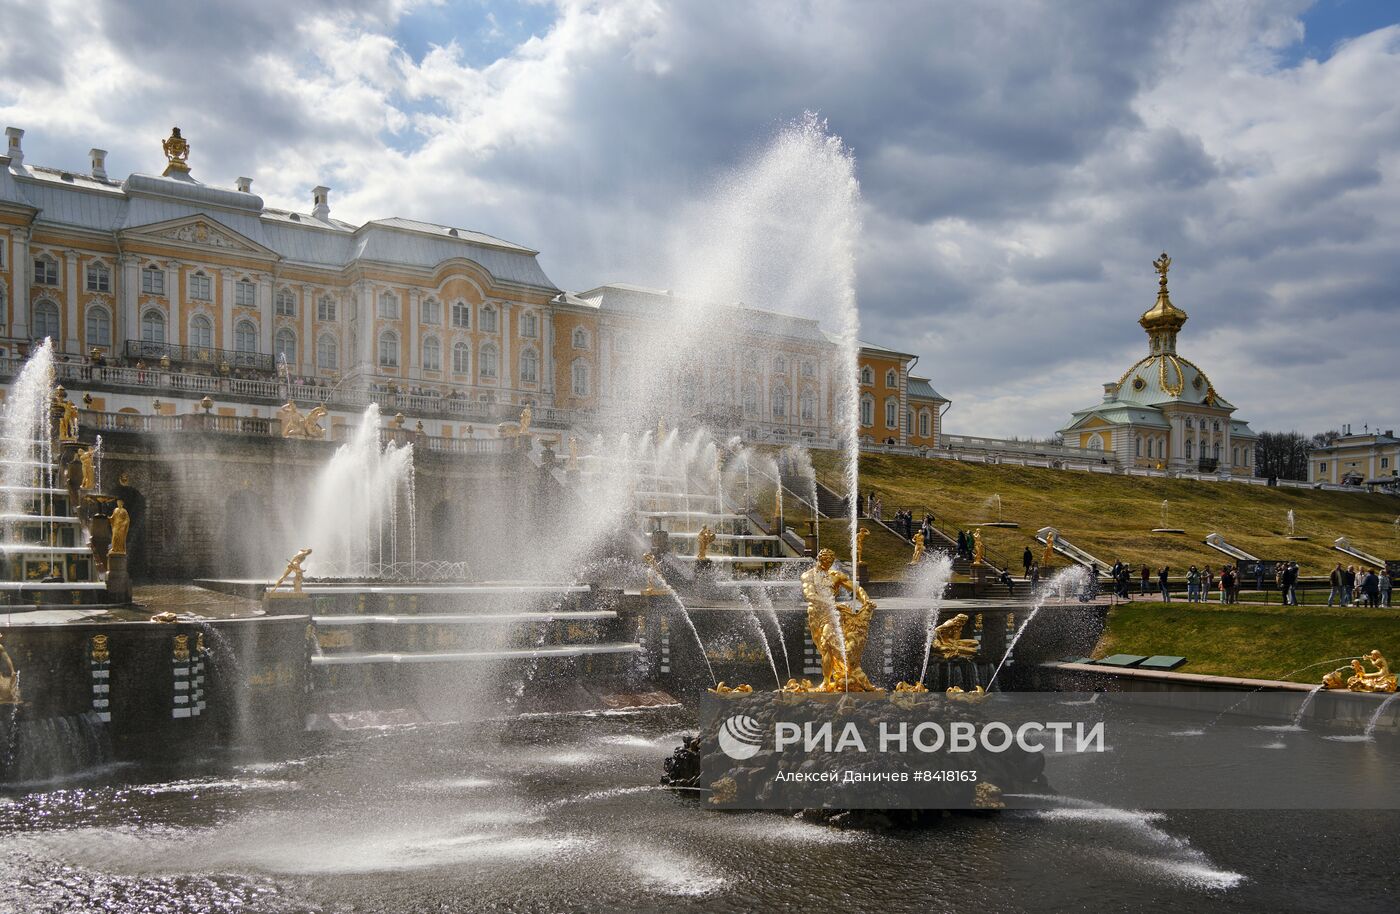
[[1164, 412], [161, 283]]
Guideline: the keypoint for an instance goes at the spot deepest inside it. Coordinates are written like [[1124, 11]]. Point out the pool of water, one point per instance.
[[562, 813]]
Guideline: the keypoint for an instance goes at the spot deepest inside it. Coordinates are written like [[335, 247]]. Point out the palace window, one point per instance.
[[201, 288], [153, 281], [1322, 467], [1190, 423], [489, 362], [153, 327], [284, 346], [461, 315], [580, 372], [809, 370], [1190, 448], [529, 325], [1385, 463], [529, 367], [4, 300], [780, 402], [99, 326], [286, 303], [580, 338], [45, 271], [327, 353], [488, 319], [1216, 425], [245, 336], [1234, 456], [925, 423], [389, 349], [45, 323], [1137, 444], [432, 354], [389, 307], [325, 309], [245, 294], [99, 278], [201, 332], [867, 411], [891, 413], [867, 376], [891, 378], [1217, 452], [780, 365], [750, 400], [461, 358], [432, 312], [808, 406]]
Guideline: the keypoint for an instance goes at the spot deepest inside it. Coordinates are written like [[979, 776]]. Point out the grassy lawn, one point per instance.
[[1112, 516], [1258, 642]]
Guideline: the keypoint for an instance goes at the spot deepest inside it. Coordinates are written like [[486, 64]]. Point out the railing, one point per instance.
[[1026, 448], [145, 350]]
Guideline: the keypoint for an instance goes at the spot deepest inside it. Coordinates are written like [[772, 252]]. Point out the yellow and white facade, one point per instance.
[[1164, 412], [1369, 458]]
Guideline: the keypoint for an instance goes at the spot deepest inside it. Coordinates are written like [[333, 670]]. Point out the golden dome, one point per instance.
[[1163, 315]]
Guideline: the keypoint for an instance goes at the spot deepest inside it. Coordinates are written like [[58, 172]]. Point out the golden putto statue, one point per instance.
[[838, 630], [177, 153], [703, 540], [1380, 679], [294, 571], [948, 641], [918, 548], [121, 525]]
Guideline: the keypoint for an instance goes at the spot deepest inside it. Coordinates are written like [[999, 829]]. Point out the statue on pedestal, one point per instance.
[[1049, 555], [89, 471], [839, 630], [948, 641], [861, 534], [525, 417], [703, 540], [979, 551], [918, 548], [296, 425], [121, 524], [294, 571], [1380, 680], [67, 413]]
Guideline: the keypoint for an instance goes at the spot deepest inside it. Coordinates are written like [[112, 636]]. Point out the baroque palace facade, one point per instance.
[[163, 284]]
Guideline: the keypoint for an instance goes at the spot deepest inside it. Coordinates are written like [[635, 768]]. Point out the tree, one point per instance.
[[1284, 454]]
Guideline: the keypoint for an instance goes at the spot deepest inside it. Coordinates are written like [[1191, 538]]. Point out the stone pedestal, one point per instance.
[[704, 570], [862, 574], [118, 581], [660, 542], [287, 603]]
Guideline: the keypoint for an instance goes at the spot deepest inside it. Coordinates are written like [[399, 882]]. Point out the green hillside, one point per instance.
[[1112, 516]]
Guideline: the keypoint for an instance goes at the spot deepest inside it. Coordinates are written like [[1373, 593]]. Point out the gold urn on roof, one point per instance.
[[177, 153]]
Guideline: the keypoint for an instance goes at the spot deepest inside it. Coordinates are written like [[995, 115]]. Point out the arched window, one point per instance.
[[750, 400], [327, 353], [582, 382], [45, 320], [1190, 448], [284, 345], [489, 362], [325, 308], [1095, 443], [461, 358], [891, 413], [780, 402], [201, 332], [1217, 452], [1215, 426], [925, 423], [388, 306], [388, 349], [529, 324], [891, 378], [432, 354], [153, 280], [461, 315], [529, 367], [867, 376], [99, 326], [488, 319], [867, 411], [580, 338], [202, 289], [99, 278], [1234, 456], [1137, 444], [245, 337], [153, 327], [809, 370], [808, 406], [286, 303]]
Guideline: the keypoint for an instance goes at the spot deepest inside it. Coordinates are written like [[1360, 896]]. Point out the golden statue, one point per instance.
[[9, 678], [67, 415], [165, 618], [958, 693], [703, 540], [177, 153], [121, 523], [1380, 680], [948, 641], [838, 630], [294, 571], [89, 472], [654, 587], [861, 534], [573, 452], [180, 648], [100, 653], [979, 551], [1049, 554], [525, 417], [722, 689], [296, 425], [918, 548]]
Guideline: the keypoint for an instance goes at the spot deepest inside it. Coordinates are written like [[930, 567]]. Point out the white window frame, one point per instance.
[[153, 326], [201, 286], [245, 294], [52, 312], [152, 280], [326, 308], [245, 337], [46, 271], [461, 358], [97, 278], [285, 303], [204, 324], [327, 352], [488, 362], [104, 337], [388, 349], [461, 315]]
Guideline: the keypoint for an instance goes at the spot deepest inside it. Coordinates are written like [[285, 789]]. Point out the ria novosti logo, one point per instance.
[[740, 737]]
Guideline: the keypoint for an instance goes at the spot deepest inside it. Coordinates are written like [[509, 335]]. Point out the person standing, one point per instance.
[[1371, 588], [1034, 574], [1193, 585], [1386, 586], [1335, 579], [928, 530], [1146, 578], [1027, 560], [1162, 576], [1348, 584]]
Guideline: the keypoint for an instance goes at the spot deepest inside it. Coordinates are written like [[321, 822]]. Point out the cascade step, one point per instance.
[[466, 618], [562, 651]]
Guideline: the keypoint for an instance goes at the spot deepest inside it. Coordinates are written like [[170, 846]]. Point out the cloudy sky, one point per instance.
[[1021, 163]]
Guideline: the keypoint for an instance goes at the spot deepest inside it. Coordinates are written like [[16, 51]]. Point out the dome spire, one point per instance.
[[1163, 320]]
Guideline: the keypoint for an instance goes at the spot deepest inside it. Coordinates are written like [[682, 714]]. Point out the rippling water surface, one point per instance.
[[562, 814]]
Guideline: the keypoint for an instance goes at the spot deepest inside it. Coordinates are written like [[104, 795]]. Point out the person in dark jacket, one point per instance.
[[1371, 588], [1027, 560], [1162, 576]]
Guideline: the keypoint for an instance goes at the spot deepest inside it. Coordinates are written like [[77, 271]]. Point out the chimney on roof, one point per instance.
[[1110, 392], [321, 196], [244, 185], [16, 152], [99, 162]]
